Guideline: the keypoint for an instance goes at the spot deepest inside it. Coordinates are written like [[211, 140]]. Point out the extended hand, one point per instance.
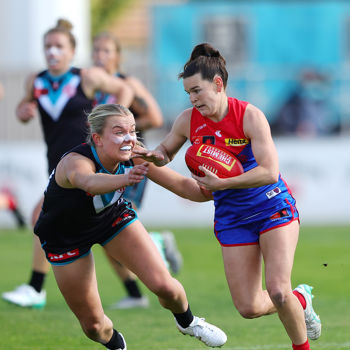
[[155, 157], [26, 111], [138, 173]]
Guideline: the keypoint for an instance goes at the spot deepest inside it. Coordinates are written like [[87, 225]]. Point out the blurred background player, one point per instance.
[[63, 95], [9, 202], [107, 55], [7, 198]]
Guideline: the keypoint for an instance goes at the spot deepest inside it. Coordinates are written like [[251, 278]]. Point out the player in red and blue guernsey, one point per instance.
[[255, 213], [273, 202]]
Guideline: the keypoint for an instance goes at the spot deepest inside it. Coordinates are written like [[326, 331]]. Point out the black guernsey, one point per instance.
[[73, 218], [63, 108]]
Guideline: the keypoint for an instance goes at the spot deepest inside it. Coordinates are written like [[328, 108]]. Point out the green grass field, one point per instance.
[[322, 260]]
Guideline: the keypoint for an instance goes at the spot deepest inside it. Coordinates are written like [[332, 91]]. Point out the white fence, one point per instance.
[[317, 170]]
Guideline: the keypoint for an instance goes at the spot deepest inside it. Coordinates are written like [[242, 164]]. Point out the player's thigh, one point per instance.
[[134, 248], [243, 269], [278, 248], [77, 283]]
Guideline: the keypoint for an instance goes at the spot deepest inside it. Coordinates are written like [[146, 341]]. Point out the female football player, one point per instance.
[[83, 205], [255, 214]]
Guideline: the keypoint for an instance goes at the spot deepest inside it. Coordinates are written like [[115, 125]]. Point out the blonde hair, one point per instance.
[[111, 37], [65, 27], [98, 116]]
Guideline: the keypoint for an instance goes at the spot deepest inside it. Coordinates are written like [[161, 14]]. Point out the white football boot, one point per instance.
[[312, 320], [26, 296], [209, 334]]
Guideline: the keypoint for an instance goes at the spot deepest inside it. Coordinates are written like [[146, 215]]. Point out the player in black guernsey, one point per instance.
[[62, 106], [83, 205], [75, 219], [63, 96]]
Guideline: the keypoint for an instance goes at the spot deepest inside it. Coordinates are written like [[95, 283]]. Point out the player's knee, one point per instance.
[[92, 328], [165, 289], [248, 310], [277, 296]]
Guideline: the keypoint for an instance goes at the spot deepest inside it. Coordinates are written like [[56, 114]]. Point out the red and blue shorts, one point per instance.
[[247, 231]]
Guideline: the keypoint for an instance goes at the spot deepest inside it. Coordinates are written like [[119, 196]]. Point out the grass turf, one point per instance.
[[322, 260]]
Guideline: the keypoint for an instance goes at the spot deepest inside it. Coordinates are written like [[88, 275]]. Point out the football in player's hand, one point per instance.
[[217, 160]]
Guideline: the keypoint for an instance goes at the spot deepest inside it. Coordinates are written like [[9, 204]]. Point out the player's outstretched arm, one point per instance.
[[182, 186], [77, 171]]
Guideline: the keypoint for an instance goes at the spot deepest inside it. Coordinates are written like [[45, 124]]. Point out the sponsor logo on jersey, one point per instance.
[[217, 155], [63, 256], [218, 133], [236, 142], [273, 193]]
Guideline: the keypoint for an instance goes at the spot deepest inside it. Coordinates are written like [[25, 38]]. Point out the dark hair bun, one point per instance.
[[204, 50]]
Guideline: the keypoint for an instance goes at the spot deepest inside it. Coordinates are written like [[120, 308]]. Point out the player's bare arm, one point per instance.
[[144, 104], [257, 129], [27, 107], [77, 171], [180, 185], [96, 79]]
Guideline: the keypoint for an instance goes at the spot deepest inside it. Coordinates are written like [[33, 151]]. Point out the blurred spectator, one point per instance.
[[7, 199], [308, 111]]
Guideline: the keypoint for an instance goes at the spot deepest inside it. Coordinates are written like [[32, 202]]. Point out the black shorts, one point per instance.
[[59, 251]]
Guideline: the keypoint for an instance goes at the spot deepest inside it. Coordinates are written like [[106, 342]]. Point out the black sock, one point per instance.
[[19, 218], [132, 288], [37, 280], [184, 319], [116, 341]]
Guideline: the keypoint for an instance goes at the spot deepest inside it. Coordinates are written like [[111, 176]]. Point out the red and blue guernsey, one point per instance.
[[234, 207]]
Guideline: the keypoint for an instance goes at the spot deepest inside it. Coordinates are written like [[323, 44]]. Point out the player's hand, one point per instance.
[[137, 173], [155, 157], [26, 111], [210, 181]]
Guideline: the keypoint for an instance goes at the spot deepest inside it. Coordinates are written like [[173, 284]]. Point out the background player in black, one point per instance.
[[83, 206], [63, 96], [147, 114]]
